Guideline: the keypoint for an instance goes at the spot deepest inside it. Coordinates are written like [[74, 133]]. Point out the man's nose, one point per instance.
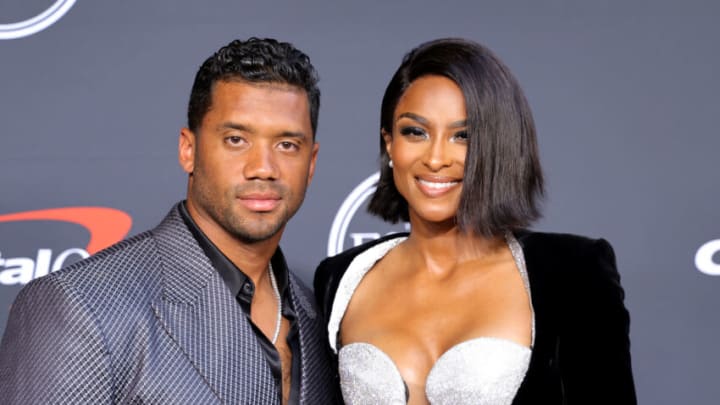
[[260, 163]]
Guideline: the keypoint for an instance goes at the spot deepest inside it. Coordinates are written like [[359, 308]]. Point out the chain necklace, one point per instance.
[[276, 292]]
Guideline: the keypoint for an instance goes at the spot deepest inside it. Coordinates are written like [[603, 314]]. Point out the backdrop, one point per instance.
[[624, 93]]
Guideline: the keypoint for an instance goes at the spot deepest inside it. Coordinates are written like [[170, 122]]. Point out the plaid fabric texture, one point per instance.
[[148, 321]]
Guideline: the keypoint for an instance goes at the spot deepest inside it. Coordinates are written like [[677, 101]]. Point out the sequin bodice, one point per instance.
[[484, 370]]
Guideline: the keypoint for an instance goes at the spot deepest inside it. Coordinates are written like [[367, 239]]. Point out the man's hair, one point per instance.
[[503, 181], [254, 61]]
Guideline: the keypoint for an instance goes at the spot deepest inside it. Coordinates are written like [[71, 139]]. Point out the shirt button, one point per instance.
[[248, 288]]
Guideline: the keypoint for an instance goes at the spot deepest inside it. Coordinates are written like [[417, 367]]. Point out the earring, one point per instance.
[[390, 163]]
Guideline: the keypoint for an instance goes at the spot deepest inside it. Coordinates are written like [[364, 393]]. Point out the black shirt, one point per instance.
[[243, 289]]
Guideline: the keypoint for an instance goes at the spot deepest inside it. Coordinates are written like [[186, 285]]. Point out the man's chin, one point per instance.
[[254, 227], [257, 234]]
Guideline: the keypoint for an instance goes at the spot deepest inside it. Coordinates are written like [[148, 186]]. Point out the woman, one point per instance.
[[469, 307]]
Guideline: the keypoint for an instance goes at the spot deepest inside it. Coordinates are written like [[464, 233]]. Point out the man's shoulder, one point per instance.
[[124, 272], [122, 262], [125, 255]]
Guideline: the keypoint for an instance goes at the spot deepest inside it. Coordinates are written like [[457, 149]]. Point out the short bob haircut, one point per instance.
[[503, 181]]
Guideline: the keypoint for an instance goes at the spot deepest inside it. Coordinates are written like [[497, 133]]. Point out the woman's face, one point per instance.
[[427, 147]]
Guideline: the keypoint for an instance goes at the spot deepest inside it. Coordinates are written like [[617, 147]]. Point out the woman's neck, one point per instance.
[[441, 247]]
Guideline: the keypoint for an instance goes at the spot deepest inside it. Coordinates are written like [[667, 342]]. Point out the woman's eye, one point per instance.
[[412, 131], [462, 135]]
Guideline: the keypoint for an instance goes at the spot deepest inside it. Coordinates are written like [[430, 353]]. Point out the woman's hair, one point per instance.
[[503, 180]]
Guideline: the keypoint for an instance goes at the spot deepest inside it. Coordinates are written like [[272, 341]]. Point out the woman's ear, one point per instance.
[[388, 142]]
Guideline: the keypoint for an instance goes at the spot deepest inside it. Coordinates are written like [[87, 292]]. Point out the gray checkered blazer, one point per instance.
[[148, 321]]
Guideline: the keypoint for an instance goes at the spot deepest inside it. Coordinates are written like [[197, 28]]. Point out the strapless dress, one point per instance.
[[483, 370]]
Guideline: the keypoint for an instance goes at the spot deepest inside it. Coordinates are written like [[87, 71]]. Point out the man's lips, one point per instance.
[[260, 202], [435, 186]]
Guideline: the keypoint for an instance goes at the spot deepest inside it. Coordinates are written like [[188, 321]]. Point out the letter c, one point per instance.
[[704, 258]]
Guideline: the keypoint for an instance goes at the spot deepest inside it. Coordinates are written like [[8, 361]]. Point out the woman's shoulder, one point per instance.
[[564, 246], [342, 260], [565, 256], [556, 239], [331, 270]]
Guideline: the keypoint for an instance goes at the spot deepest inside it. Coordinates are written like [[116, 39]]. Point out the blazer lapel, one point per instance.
[[316, 373], [203, 318], [542, 372]]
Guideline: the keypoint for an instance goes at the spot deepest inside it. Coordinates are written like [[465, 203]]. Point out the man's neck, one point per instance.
[[252, 258]]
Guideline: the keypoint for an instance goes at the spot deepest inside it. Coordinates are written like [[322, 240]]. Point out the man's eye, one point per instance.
[[287, 145], [234, 140], [412, 131]]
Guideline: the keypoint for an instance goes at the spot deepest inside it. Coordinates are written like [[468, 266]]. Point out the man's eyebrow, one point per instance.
[[293, 134], [235, 125], [249, 129]]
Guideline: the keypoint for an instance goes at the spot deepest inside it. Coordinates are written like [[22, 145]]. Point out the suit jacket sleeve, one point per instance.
[[594, 345], [52, 350], [324, 289]]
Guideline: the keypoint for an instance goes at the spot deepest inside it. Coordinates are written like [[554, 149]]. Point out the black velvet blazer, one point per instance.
[[581, 353]]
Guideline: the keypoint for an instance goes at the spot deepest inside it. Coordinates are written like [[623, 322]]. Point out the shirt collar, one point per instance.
[[236, 280]]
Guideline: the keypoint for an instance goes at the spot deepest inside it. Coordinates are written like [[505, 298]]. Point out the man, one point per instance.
[[202, 309]]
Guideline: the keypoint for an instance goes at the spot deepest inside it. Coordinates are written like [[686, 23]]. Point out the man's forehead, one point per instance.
[[243, 104], [228, 94], [272, 85]]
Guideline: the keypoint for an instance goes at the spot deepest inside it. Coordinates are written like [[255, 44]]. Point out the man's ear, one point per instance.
[[187, 143], [388, 142], [313, 161]]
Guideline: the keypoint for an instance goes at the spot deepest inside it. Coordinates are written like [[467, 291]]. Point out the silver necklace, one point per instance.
[[276, 292]]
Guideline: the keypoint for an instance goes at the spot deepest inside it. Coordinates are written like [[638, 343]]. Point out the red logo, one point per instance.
[[106, 225]]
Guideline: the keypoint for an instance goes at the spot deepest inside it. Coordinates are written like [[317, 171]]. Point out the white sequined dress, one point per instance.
[[480, 371]]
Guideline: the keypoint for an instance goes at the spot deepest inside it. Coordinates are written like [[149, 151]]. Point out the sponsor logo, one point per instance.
[[704, 258], [38, 23], [350, 226], [105, 226]]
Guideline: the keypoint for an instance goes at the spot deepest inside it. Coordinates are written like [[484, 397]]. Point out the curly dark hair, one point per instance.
[[503, 180], [257, 60]]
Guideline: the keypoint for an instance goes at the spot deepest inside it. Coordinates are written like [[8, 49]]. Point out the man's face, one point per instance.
[[251, 160]]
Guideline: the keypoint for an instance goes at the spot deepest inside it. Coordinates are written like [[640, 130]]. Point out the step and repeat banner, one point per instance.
[[624, 93]]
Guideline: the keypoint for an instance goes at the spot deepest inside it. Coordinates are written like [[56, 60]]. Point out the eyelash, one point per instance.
[[233, 140], [418, 132], [237, 140], [289, 145], [412, 131], [461, 135]]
